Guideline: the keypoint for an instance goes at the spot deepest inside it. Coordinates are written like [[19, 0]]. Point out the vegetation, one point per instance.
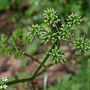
[[54, 25]]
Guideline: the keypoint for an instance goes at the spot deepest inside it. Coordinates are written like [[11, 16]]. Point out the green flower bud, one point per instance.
[[18, 54], [57, 55], [50, 16], [3, 40], [48, 37], [82, 44], [73, 19], [8, 50], [34, 31]]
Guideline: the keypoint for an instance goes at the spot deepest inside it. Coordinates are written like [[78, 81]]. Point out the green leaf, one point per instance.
[[24, 62], [20, 75]]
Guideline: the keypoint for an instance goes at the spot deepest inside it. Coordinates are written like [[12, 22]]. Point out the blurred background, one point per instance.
[[75, 73]]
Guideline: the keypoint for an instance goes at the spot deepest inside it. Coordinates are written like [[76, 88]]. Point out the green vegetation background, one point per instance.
[[27, 12]]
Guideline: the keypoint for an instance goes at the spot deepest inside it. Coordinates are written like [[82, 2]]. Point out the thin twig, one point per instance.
[[45, 59], [27, 55]]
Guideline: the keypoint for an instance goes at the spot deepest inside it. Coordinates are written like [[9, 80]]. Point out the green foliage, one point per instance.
[[9, 45], [65, 32], [38, 31], [8, 50], [1, 52], [20, 75], [4, 4], [24, 62], [3, 40], [18, 53], [16, 36], [79, 82]]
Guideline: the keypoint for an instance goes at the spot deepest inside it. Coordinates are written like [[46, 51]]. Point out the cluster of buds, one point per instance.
[[57, 55], [50, 17], [34, 31], [4, 86], [74, 19], [82, 44]]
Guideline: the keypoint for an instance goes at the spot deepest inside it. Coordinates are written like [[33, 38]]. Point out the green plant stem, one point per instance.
[[18, 81], [27, 55], [68, 40], [26, 79], [62, 19], [45, 69], [45, 59], [36, 72], [56, 27], [58, 45], [33, 59]]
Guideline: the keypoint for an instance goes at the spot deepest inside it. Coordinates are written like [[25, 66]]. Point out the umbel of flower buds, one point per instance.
[[82, 44], [50, 16]]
